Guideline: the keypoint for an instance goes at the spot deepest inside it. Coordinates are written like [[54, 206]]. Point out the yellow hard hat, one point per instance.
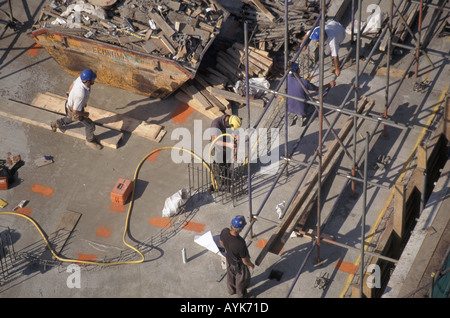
[[235, 122]]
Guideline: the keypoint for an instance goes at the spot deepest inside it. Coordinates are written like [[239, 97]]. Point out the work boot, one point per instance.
[[94, 144], [302, 121], [55, 126], [292, 119]]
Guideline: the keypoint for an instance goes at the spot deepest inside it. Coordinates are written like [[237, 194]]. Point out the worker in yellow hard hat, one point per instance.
[[225, 148]]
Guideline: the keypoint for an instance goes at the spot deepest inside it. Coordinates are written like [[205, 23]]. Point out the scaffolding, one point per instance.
[[420, 49]]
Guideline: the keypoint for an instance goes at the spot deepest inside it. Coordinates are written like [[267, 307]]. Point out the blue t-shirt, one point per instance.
[[295, 89]]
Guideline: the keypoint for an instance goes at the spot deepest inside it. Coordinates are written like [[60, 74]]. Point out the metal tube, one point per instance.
[[319, 169], [356, 85], [363, 219], [409, 47], [286, 46], [412, 35], [424, 189], [337, 109], [330, 241], [401, 81], [419, 28], [362, 180], [352, 36], [434, 6], [325, 119], [249, 179], [388, 63]]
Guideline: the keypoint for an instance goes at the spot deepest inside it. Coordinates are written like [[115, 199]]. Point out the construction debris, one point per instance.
[[211, 92], [175, 29], [268, 22]]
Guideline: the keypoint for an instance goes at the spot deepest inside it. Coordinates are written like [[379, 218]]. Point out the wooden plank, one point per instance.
[[211, 113], [167, 43], [255, 52], [393, 72], [236, 97], [218, 74], [55, 103], [264, 10], [202, 81], [61, 234], [162, 24], [41, 118], [412, 15], [193, 92], [199, 84]]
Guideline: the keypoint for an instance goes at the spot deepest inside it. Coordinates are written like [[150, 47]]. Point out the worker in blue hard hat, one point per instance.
[[334, 35], [77, 98], [299, 110], [237, 257]]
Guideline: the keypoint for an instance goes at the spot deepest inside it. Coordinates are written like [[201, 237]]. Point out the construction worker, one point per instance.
[[225, 147], [297, 109], [334, 35], [237, 258], [77, 98]]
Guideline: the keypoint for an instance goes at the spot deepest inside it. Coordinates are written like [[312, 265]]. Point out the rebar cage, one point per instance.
[[226, 182]]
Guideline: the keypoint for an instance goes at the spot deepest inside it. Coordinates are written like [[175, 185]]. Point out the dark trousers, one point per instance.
[[87, 123], [238, 279]]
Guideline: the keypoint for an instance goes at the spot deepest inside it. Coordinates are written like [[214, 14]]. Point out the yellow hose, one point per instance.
[[229, 135], [127, 218]]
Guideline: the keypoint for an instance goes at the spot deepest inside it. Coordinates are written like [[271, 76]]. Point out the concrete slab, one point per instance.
[[81, 180]]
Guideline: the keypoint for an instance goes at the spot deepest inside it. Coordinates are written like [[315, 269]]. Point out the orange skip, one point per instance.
[[181, 113], [39, 188]]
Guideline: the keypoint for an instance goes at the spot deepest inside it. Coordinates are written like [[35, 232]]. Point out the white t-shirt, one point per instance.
[[78, 96], [336, 34]]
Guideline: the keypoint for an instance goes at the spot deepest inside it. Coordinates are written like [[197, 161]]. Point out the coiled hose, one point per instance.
[[36, 225]]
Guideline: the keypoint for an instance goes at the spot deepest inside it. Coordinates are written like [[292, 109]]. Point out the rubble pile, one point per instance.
[[215, 88], [177, 29], [266, 20]]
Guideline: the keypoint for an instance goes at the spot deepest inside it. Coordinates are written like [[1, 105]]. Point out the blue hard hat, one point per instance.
[[315, 35], [88, 75], [295, 67], [238, 222]]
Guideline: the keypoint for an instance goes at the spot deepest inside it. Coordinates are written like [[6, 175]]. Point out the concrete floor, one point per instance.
[[82, 180]]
